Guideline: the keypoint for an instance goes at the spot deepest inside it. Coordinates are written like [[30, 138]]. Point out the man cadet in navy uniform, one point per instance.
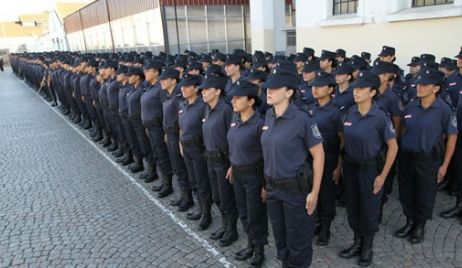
[[246, 171], [424, 159], [454, 87], [327, 61], [293, 165], [169, 81], [151, 116]]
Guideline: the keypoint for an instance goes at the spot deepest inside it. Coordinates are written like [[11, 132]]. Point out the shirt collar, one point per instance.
[[288, 113], [372, 112], [218, 106], [435, 104]]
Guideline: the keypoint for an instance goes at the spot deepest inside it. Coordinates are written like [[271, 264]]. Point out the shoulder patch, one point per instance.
[[454, 121], [315, 131], [391, 127]]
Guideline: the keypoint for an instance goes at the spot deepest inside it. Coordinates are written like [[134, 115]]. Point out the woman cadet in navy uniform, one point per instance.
[[328, 117], [246, 171], [190, 116], [368, 133], [169, 82], [423, 161], [293, 163], [215, 126], [391, 104]]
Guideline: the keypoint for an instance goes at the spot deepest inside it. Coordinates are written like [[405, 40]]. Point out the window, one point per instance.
[[342, 7], [424, 3]]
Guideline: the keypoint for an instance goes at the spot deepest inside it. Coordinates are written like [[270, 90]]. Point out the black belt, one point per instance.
[[248, 169], [194, 142], [171, 130], [156, 122], [217, 157], [124, 115], [295, 183], [419, 156], [362, 162]]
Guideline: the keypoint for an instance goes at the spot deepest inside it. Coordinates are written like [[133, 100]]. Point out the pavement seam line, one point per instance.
[[215, 253]]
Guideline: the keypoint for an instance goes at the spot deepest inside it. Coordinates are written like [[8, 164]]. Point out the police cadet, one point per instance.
[[293, 162], [409, 91], [366, 56], [308, 75], [169, 82], [108, 72], [327, 116], [387, 54], [135, 79], [423, 159], [343, 94], [327, 61], [368, 133], [218, 58], [246, 171], [233, 67], [454, 88], [132, 155], [113, 89], [151, 116], [299, 61], [216, 122], [90, 101], [258, 78], [190, 115], [85, 91], [195, 68], [340, 55]]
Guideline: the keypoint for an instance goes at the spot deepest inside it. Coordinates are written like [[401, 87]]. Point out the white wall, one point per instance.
[[412, 31]]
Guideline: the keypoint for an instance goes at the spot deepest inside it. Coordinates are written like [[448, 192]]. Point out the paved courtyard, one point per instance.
[[65, 203]]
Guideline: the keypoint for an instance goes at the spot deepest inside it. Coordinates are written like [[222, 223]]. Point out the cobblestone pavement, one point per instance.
[[63, 202]]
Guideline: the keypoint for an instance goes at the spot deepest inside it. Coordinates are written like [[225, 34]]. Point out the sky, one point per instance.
[[10, 9]]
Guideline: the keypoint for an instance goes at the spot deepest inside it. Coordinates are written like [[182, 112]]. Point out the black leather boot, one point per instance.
[[206, 218], [151, 172], [406, 229], [176, 202], [136, 166], [245, 253], [218, 234], [354, 250], [231, 233], [113, 146], [418, 231], [324, 234], [366, 251], [119, 152], [187, 202], [258, 257], [196, 214], [456, 211], [129, 159], [167, 188]]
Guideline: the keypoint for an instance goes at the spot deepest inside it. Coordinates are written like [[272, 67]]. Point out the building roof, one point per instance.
[[12, 29]]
